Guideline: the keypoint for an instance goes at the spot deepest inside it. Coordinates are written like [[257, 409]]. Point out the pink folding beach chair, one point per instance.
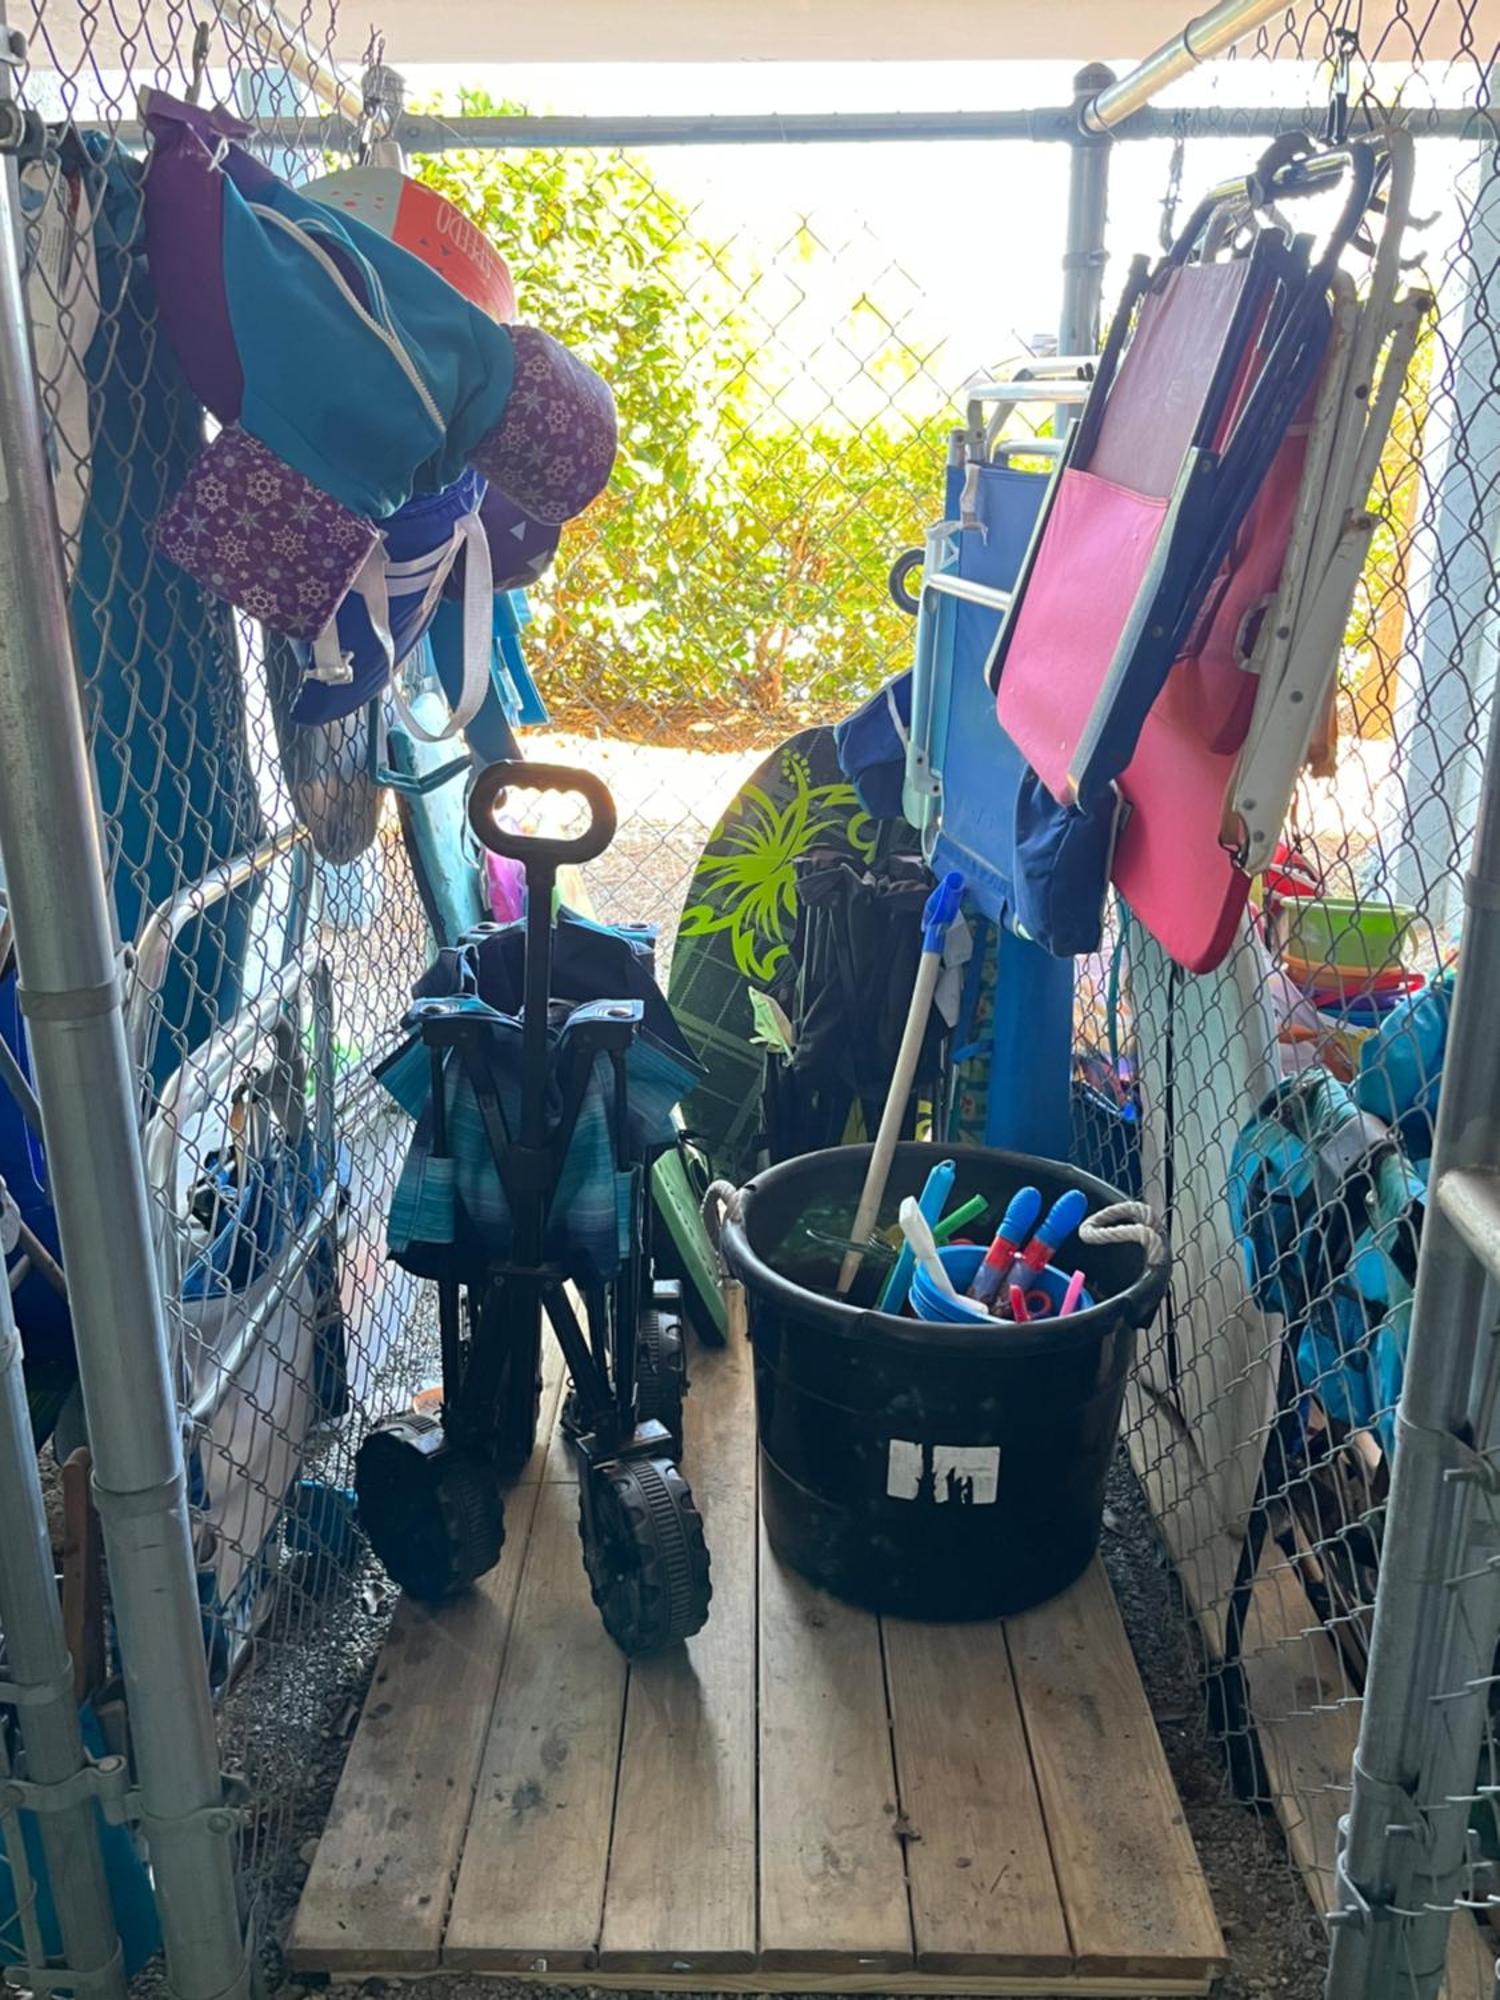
[[1214, 477]]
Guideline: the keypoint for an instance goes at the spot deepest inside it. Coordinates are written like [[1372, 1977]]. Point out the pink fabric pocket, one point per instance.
[[1095, 549]]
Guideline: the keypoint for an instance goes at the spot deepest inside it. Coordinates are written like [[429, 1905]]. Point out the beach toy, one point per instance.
[[931, 1202], [957, 1218], [427, 224], [1359, 935], [1015, 1226], [1043, 1297], [918, 1234], [1062, 1219], [1348, 980], [938, 1307]]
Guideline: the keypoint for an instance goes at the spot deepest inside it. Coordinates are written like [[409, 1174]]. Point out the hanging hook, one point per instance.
[[198, 63], [383, 94], [1173, 194], [1346, 48]]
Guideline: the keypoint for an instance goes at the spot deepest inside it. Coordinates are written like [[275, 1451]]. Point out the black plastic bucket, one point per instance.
[[932, 1471]]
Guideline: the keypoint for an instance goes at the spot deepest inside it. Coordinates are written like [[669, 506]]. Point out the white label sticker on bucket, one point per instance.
[[939, 1475]]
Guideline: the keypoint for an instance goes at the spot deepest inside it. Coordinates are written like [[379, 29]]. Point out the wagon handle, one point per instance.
[[489, 791]]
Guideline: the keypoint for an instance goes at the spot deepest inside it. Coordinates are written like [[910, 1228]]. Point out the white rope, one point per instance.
[[1126, 1222]]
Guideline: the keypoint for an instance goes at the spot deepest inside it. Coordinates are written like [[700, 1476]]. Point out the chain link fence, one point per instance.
[[788, 357], [1263, 1414]]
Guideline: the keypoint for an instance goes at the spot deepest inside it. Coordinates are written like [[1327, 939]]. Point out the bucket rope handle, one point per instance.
[[721, 1199], [1126, 1222]]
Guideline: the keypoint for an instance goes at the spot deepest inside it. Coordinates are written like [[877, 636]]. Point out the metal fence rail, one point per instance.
[[218, 918]]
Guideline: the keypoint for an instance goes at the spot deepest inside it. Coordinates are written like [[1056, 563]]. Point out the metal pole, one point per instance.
[[40, 1673], [420, 132], [1204, 36], [1448, 666], [287, 44], [1404, 1857], [1085, 256], [70, 993]]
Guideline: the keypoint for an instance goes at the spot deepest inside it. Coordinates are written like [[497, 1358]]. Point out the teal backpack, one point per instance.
[[1328, 1211]]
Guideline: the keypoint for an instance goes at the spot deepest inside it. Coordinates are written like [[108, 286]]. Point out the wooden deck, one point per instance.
[[804, 1798]]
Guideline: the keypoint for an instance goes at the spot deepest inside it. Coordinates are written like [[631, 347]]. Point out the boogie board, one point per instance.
[[738, 923]]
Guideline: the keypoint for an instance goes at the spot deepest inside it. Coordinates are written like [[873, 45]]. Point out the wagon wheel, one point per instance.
[[644, 1552], [661, 1373], [431, 1509]]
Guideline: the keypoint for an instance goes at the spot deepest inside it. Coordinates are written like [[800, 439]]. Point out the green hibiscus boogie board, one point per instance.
[[738, 924]]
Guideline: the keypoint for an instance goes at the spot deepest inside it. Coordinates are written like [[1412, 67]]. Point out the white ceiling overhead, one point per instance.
[[854, 30], [140, 34]]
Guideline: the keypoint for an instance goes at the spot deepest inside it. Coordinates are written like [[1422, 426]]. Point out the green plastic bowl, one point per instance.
[[1353, 935]]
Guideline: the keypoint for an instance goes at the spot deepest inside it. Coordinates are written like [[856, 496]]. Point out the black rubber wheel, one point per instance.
[[432, 1511], [644, 1551], [898, 583], [660, 1372]]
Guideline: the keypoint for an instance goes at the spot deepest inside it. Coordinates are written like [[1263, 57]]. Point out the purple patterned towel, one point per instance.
[[553, 448], [252, 529]]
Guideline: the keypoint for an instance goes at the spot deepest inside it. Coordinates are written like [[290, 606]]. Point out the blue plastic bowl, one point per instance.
[[961, 1261]]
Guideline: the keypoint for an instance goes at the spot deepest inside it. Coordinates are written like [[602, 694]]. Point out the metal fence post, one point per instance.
[[1405, 1855], [1084, 255], [1452, 624], [39, 1671], [70, 994]]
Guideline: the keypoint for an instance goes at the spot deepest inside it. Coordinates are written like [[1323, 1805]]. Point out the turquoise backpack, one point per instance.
[[1328, 1210]]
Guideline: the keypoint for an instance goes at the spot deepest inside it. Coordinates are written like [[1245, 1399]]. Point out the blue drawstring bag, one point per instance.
[[1062, 863], [394, 600], [871, 747]]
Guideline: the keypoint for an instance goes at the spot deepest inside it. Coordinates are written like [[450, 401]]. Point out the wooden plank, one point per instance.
[[1306, 1718], [895, 1983], [1136, 1900], [832, 1874], [681, 1892], [984, 1894], [530, 1888], [1472, 1952], [377, 1895], [1307, 1723]]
